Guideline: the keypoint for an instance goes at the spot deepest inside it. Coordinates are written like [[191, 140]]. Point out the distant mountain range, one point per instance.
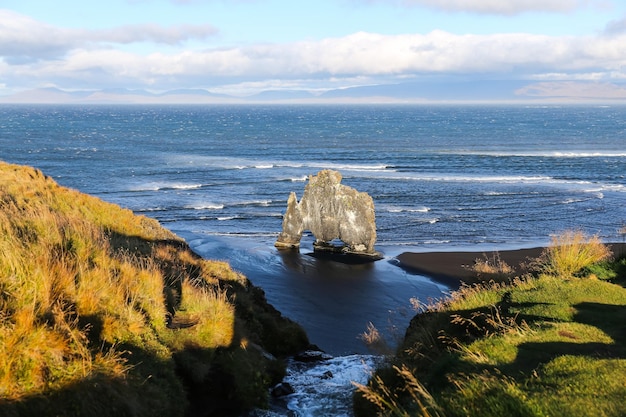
[[410, 92]]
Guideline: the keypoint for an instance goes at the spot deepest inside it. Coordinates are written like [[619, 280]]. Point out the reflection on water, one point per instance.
[[333, 298]]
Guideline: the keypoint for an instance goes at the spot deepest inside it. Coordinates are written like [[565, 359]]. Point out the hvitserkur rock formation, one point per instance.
[[330, 211]]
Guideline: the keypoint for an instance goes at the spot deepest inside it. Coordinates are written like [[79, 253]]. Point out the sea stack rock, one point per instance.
[[330, 211]]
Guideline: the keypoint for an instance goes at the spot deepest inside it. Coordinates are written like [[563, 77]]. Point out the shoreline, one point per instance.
[[453, 268]]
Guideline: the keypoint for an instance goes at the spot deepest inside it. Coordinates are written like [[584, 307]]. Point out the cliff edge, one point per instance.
[[105, 313]]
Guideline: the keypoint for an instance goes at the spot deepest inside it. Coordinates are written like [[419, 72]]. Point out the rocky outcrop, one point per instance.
[[330, 211]]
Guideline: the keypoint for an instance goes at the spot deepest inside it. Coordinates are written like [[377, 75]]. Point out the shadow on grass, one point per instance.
[[475, 324], [606, 317], [436, 349], [192, 381], [619, 264], [151, 387]]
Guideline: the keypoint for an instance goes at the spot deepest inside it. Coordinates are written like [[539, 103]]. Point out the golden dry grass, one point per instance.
[[492, 267], [389, 403], [570, 252], [89, 290]]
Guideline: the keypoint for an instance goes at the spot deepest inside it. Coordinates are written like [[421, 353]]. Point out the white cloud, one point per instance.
[[171, 35], [499, 7], [23, 39], [93, 59], [437, 52], [555, 76]]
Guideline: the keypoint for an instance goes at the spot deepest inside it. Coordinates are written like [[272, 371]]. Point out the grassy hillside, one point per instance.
[[550, 344], [104, 313]]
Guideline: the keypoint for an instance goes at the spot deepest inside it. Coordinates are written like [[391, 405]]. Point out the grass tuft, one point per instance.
[[493, 268], [570, 252], [374, 340], [390, 403]]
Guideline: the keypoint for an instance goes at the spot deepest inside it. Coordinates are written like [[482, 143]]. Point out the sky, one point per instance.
[[242, 47]]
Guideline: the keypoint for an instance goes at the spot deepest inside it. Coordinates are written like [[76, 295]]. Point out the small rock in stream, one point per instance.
[[282, 389], [312, 356]]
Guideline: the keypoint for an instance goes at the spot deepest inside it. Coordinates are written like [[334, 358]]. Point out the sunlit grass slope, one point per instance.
[[551, 344], [105, 313]]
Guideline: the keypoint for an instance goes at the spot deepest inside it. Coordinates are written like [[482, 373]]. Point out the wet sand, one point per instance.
[[453, 267]]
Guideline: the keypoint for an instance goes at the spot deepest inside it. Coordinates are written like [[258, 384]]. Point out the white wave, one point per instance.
[[543, 154], [236, 234], [573, 200], [349, 167], [500, 179], [589, 154], [148, 209], [431, 220], [144, 187], [226, 218], [205, 207], [413, 243], [436, 242], [614, 187], [262, 203], [75, 149], [247, 163], [408, 210], [485, 179], [213, 162], [158, 186], [499, 193], [302, 178], [601, 188], [335, 166], [184, 186], [325, 388]]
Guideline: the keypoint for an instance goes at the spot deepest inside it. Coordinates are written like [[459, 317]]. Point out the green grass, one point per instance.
[[104, 313], [550, 344]]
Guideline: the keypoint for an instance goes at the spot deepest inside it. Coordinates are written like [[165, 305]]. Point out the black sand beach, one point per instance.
[[453, 267]]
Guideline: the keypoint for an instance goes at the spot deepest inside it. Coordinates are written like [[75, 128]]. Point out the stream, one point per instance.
[[323, 388]]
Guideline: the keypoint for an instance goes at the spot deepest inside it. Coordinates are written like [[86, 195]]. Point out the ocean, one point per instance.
[[443, 178], [440, 176]]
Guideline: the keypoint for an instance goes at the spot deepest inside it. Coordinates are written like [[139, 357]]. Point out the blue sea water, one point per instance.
[[442, 178]]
